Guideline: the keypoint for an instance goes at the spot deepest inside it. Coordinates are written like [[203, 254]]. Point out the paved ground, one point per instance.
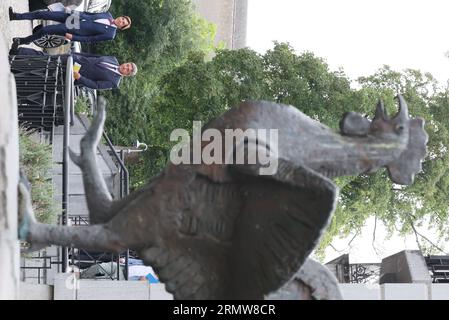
[[10, 29]]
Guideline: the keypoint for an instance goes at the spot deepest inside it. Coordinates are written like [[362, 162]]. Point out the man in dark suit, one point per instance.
[[97, 72], [76, 25]]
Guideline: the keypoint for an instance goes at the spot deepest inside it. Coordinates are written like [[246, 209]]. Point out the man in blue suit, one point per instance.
[[76, 25], [97, 72]]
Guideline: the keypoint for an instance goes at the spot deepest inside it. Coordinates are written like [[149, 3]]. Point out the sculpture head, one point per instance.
[[406, 135], [385, 128]]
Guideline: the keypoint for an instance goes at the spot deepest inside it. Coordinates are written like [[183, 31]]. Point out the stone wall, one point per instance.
[[9, 169]]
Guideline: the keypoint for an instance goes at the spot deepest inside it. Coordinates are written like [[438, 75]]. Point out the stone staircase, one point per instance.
[[41, 267], [41, 272], [77, 202]]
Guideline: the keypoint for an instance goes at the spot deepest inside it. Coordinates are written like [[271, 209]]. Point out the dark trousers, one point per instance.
[[59, 29]]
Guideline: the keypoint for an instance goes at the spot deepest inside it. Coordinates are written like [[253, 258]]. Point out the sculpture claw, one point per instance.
[[26, 215]]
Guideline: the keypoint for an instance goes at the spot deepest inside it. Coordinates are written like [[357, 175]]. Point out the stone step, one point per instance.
[[73, 169], [77, 128], [76, 186], [58, 143]]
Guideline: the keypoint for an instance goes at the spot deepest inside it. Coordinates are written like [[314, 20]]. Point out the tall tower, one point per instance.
[[230, 16]]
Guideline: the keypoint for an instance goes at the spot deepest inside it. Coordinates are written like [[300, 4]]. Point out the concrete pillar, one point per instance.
[[230, 17], [240, 24], [9, 171], [408, 266]]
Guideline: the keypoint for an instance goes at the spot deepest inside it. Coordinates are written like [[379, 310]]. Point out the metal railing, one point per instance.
[[40, 264], [439, 268], [68, 121], [124, 184], [40, 89], [45, 94], [364, 273], [46, 98], [346, 272]]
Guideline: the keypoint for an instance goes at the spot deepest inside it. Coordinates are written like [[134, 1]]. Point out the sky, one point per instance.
[[360, 36]]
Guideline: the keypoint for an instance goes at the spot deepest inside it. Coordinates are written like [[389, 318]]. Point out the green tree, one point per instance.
[[163, 35], [162, 30], [401, 209], [198, 89]]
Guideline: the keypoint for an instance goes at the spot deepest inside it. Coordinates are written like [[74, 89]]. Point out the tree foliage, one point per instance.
[[163, 35], [178, 85]]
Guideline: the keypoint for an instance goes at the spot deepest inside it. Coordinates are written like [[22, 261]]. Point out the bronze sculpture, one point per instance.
[[220, 231]]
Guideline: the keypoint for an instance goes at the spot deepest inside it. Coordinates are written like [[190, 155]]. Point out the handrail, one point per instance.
[[124, 188], [68, 107], [72, 104]]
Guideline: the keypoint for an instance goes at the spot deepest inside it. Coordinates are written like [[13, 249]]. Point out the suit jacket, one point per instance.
[[91, 31], [93, 74]]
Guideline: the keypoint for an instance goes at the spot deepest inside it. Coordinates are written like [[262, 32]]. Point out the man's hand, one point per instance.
[[69, 36], [76, 75]]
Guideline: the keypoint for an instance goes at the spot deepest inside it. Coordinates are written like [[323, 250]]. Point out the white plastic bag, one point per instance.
[[56, 7]]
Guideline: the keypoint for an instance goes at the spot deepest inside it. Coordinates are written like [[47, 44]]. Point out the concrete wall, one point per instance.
[[231, 18], [439, 291], [35, 292], [68, 287], [112, 290], [351, 291], [158, 292], [403, 291], [9, 170], [395, 291]]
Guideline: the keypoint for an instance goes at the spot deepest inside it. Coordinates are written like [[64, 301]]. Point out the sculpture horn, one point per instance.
[[403, 109], [380, 112]]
